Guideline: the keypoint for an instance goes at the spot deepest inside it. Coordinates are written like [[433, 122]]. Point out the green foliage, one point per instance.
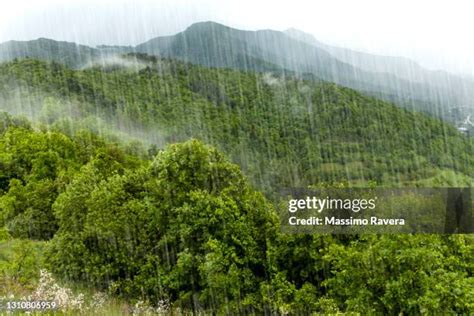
[[4, 235], [281, 131], [20, 263], [36, 167], [409, 274], [187, 227]]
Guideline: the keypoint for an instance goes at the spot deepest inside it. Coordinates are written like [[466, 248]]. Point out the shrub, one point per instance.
[[188, 227]]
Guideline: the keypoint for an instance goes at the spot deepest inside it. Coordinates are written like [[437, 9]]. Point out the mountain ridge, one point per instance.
[[212, 44]]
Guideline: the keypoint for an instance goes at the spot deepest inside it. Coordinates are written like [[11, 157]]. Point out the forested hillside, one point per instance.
[[182, 230], [150, 185], [281, 131]]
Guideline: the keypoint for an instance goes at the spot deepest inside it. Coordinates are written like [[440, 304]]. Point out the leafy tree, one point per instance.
[[37, 166], [187, 227], [408, 274]]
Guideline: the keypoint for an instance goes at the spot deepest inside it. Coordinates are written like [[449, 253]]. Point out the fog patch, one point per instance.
[[117, 62], [272, 80], [70, 116]]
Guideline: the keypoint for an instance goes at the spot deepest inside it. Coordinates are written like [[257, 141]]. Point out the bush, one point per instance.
[[188, 227]]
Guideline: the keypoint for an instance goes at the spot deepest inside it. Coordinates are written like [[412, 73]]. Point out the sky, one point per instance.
[[437, 34]]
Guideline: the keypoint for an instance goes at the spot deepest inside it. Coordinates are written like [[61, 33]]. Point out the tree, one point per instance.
[[187, 227]]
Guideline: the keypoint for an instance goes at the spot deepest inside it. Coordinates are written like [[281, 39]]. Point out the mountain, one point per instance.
[[217, 45], [292, 53], [459, 89], [396, 79], [211, 44], [68, 53], [403, 68]]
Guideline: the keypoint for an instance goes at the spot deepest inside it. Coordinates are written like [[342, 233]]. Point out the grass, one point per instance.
[[23, 278]]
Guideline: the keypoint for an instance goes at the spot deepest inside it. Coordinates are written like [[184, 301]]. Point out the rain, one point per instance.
[[149, 150]]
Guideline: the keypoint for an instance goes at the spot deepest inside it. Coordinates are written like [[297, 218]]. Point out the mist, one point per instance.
[[436, 33], [71, 115]]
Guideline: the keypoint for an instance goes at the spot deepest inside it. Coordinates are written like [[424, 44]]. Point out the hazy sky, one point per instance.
[[436, 33]]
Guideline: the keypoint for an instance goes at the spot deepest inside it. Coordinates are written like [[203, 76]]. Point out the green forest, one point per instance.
[[155, 183]]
